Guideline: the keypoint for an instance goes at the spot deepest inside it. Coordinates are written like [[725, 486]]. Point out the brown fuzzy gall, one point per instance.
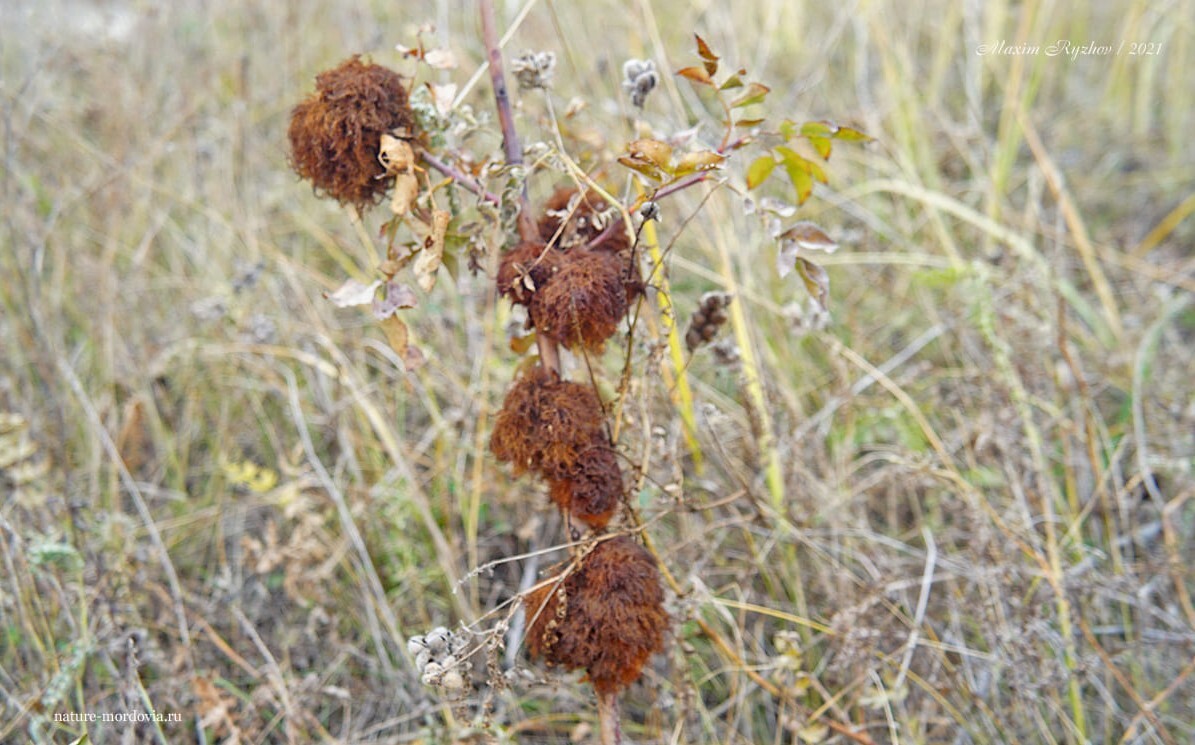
[[547, 425], [525, 269], [607, 617], [585, 217], [585, 300], [591, 492], [335, 133]]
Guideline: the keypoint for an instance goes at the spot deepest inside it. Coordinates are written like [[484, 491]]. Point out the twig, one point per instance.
[[549, 353], [510, 138], [460, 177], [608, 718]]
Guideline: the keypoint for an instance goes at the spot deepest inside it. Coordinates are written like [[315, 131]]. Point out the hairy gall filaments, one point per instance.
[[335, 133], [607, 616]]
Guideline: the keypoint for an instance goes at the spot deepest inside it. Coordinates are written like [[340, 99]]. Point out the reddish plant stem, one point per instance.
[[549, 353], [510, 138], [674, 187], [458, 176], [609, 723]]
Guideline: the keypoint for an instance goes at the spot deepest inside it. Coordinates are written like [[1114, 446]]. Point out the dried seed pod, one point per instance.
[[547, 424], [613, 616], [335, 134], [709, 317], [525, 269], [584, 302], [591, 492]]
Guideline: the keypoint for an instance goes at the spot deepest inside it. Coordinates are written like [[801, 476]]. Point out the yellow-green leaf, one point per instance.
[[641, 166], [850, 134], [655, 152], [702, 160], [734, 81], [759, 170], [818, 129], [800, 172], [821, 145], [755, 93]]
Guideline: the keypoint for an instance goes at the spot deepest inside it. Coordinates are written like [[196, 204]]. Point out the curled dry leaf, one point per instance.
[[442, 97], [801, 238], [432, 254], [397, 297], [396, 155], [399, 338], [398, 158], [816, 280], [440, 59], [809, 237], [353, 293], [406, 189]]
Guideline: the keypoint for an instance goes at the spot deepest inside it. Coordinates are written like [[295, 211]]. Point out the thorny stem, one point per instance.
[[549, 354]]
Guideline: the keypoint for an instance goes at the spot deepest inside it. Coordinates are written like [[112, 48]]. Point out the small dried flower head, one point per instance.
[[710, 316], [547, 425], [607, 616], [534, 70], [639, 77], [335, 133]]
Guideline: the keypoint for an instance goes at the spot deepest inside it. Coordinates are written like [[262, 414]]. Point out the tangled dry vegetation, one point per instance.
[[958, 508]]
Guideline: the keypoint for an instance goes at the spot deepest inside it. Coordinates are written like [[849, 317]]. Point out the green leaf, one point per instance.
[[818, 129], [749, 122], [788, 129], [759, 170], [734, 81], [849, 134], [755, 93]]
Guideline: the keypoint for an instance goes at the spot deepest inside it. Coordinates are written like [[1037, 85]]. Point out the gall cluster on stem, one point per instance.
[[578, 284], [556, 428], [606, 617]]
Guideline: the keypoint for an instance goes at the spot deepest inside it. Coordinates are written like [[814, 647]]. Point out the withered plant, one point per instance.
[[581, 269]]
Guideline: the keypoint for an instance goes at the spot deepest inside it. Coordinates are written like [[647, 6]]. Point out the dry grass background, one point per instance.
[[222, 497]]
